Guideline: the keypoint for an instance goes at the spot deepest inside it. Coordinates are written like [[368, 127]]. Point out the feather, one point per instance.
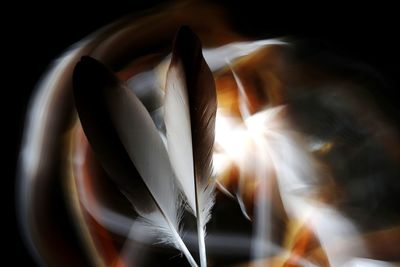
[[128, 145], [190, 109]]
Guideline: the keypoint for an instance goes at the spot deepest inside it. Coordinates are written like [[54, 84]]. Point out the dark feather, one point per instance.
[[91, 80]]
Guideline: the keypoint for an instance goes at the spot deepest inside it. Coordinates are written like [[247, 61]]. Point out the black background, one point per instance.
[[35, 35]]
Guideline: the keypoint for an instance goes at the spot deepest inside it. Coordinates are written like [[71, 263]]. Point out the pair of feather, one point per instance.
[[158, 181]]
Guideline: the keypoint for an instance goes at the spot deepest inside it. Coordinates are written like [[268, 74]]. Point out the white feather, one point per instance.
[[180, 150]]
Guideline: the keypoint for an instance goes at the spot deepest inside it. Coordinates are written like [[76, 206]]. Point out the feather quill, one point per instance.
[[128, 145], [190, 108]]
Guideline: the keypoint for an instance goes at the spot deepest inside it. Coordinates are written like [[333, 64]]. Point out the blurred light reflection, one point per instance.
[[306, 162]]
